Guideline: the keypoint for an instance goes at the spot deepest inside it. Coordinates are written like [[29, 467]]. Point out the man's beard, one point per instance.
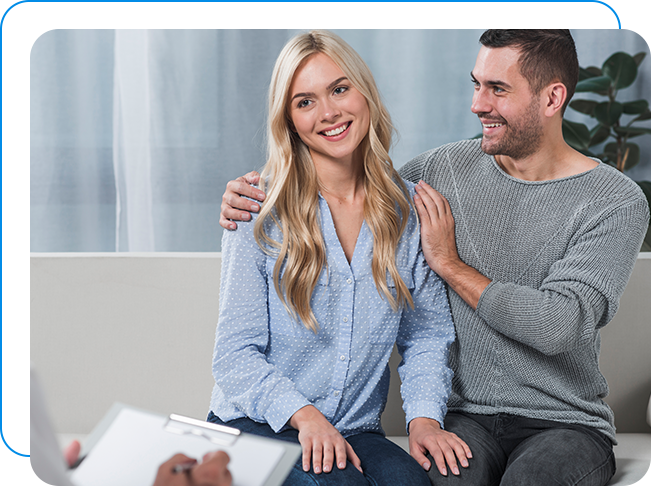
[[521, 138]]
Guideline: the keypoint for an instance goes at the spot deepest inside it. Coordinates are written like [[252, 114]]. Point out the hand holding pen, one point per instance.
[[182, 470]]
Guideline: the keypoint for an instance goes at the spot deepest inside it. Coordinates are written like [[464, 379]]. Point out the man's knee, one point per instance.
[[563, 456]]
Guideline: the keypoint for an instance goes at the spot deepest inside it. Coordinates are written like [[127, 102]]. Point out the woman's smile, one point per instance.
[[333, 133]]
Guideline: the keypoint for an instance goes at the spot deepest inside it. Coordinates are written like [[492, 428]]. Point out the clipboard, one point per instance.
[[128, 446]]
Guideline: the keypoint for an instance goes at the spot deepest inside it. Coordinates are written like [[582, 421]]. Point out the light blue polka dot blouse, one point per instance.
[[267, 366]]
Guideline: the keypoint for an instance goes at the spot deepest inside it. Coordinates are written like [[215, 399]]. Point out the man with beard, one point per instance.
[[536, 243]]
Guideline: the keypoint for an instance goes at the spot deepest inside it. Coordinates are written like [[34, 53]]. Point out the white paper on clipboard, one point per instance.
[[136, 443]]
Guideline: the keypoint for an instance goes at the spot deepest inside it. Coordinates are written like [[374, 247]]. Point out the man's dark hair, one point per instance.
[[546, 56]]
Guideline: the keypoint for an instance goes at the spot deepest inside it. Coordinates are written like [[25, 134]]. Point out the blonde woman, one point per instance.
[[318, 287]]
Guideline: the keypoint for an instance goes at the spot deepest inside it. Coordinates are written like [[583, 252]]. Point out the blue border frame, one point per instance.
[[15, 46], [619, 23]]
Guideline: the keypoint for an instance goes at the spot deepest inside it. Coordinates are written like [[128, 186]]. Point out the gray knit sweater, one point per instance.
[[559, 254]]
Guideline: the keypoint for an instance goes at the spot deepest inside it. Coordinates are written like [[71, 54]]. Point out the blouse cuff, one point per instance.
[[282, 409], [427, 409]]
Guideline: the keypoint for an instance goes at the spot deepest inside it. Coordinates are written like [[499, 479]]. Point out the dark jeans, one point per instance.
[[513, 451], [383, 462]]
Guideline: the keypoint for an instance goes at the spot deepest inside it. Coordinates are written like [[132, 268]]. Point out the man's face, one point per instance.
[[511, 115]]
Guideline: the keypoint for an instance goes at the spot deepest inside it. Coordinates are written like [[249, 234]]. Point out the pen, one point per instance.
[[183, 468]]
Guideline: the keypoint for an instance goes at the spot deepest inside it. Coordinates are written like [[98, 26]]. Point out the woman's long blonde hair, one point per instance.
[[292, 185]]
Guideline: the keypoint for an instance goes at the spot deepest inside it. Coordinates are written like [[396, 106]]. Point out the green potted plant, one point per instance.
[[617, 122]]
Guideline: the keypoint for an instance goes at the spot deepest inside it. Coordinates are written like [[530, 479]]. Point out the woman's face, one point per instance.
[[327, 111]]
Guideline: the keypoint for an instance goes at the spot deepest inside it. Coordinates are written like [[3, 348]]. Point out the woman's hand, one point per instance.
[[321, 442], [426, 435]]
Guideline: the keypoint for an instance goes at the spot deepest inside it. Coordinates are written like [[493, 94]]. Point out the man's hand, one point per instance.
[[213, 471], [437, 229], [322, 443], [440, 248], [234, 206], [426, 435]]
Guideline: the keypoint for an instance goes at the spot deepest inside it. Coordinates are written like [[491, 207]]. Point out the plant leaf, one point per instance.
[[621, 68], [608, 113], [584, 106], [636, 107], [638, 58], [593, 70], [585, 74], [576, 135], [598, 135], [646, 189], [644, 116], [631, 132], [633, 155], [593, 85]]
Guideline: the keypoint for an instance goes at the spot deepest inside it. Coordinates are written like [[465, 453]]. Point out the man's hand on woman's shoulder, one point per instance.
[[235, 206]]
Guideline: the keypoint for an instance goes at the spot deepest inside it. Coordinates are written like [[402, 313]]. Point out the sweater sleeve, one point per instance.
[[412, 171], [581, 291]]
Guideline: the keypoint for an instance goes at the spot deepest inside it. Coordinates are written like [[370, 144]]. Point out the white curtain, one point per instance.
[[134, 228], [134, 134]]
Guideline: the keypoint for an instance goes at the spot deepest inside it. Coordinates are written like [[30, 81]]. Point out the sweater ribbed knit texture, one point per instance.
[[559, 254]]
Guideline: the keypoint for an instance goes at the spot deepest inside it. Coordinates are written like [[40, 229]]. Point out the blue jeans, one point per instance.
[[508, 450], [383, 462]]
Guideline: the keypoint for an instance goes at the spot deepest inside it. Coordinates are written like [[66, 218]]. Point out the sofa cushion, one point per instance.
[[633, 454]]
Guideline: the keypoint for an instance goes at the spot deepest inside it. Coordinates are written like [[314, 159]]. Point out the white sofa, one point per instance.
[[139, 329]]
